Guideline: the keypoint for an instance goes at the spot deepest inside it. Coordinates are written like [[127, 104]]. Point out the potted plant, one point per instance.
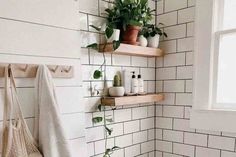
[[117, 89], [142, 39], [153, 33], [108, 31], [129, 16], [111, 33], [113, 21]]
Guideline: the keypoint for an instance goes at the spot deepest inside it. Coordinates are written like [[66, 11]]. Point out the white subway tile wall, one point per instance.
[[174, 137]]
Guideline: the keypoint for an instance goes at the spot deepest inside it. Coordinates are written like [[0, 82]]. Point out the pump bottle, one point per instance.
[[134, 84]]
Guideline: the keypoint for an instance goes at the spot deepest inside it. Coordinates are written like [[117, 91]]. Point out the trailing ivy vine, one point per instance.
[[106, 118], [108, 131], [99, 73]]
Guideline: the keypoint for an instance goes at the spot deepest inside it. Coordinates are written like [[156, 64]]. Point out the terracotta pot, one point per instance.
[[130, 35]]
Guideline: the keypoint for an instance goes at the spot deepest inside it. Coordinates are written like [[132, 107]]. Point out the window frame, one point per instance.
[[215, 66], [203, 116]]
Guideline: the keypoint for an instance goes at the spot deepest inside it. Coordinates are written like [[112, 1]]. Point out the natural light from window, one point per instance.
[[229, 18], [226, 85], [225, 54]]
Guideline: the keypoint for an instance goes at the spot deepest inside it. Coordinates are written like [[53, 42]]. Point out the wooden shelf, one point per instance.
[[131, 100], [133, 50]]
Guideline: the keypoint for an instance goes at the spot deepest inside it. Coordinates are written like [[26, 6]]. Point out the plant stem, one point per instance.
[[104, 91]]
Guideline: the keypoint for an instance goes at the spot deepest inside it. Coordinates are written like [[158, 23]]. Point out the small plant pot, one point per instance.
[[142, 41], [115, 36], [130, 35], [116, 91], [154, 41]]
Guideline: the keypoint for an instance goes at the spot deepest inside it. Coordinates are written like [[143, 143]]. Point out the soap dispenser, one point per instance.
[[140, 84], [134, 84]]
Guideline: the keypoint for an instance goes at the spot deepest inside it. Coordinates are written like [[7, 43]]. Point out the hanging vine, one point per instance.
[[99, 73]]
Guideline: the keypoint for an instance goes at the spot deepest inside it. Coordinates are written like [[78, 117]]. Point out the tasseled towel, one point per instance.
[[48, 124]]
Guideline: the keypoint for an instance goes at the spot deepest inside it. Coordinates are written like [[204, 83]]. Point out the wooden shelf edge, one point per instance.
[[133, 50], [132, 100]]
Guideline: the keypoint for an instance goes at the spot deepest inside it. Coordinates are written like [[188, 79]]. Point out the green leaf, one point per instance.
[[107, 153], [116, 44], [100, 107], [96, 28], [115, 147], [161, 24], [153, 10], [109, 131], [152, 34], [97, 120], [109, 31], [134, 23], [113, 108], [165, 34], [97, 74], [93, 46], [143, 2]]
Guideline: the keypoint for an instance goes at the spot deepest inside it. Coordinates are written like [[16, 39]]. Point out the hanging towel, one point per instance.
[[48, 130]]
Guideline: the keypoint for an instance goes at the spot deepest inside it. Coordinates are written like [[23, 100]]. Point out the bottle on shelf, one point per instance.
[[134, 84], [140, 84], [126, 81]]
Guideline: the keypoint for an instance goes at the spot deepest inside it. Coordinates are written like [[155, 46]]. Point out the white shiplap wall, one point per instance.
[[45, 32]]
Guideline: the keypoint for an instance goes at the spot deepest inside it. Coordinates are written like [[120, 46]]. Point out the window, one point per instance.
[[215, 66], [224, 65]]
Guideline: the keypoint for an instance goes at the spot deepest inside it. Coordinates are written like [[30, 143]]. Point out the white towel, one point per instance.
[[48, 129]]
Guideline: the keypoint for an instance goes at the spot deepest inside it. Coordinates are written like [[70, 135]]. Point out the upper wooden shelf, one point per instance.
[[133, 50], [131, 100]]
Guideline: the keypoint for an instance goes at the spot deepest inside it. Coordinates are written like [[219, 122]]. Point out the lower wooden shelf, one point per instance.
[[131, 100]]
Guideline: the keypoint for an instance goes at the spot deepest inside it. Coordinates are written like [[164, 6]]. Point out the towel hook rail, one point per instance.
[[30, 70]]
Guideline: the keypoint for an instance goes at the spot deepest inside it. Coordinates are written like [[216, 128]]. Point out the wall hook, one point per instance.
[[68, 70], [54, 70], [29, 70], [25, 68]]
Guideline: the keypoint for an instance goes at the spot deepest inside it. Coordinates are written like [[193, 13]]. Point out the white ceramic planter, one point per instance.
[[142, 41], [115, 36], [116, 91], [154, 41]]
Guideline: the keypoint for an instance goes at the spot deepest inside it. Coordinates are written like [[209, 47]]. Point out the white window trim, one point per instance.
[[202, 114], [218, 34]]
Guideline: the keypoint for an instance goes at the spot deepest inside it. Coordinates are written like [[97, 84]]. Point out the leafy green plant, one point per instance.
[[129, 12], [151, 30], [108, 33], [105, 119]]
